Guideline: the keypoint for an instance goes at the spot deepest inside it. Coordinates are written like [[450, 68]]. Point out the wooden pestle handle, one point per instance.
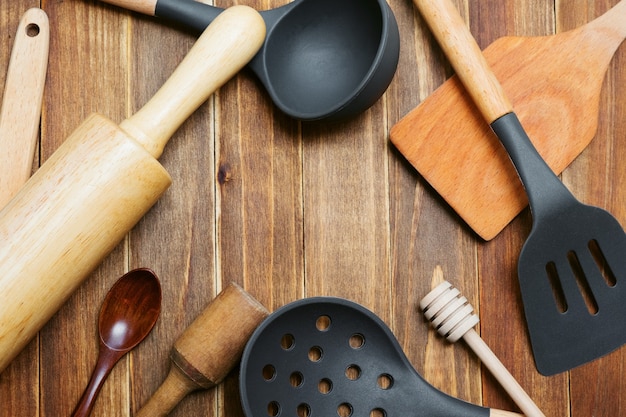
[[21, 101], [208, 349], [466, 57], [233, 38]]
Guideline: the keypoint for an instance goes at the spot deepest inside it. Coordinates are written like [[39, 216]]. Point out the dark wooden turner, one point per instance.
[[572, 264]]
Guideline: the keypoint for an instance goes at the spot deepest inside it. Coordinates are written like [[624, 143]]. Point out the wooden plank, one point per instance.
[[19, 383], [87, 73], [595, 177], [428, 242], [502, 322]]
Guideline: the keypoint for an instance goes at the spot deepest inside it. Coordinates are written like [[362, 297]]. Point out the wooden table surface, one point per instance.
[[291, 210]]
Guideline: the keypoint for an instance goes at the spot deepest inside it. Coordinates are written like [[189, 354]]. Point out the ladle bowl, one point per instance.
[[128, 314], [322, 59]]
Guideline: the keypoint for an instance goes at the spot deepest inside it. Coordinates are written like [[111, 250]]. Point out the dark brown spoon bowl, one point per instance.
[[128, 314]]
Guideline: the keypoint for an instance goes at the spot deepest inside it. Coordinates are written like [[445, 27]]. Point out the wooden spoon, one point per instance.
[[128, 313], [554, 83], [21, 102], [208, 349]]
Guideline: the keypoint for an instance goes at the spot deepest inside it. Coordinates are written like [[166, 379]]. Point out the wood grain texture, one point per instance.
[[289, 210]]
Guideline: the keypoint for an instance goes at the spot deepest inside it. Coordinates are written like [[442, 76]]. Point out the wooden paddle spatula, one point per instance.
[[21, 102], [572, 268], [554, 83]]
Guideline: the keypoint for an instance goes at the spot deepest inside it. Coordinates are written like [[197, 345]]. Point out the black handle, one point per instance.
[[544, 189]]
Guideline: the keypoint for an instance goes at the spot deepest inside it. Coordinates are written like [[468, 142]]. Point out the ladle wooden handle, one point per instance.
[[466, 57], [230, 42], [21, 101], [208, 349]]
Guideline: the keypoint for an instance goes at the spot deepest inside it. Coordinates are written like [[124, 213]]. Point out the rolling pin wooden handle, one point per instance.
[[21, 101], [466, 57], [208, 349], [225, 47]]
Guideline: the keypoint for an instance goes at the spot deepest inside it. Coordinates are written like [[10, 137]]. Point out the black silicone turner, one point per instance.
[[572, 267], [324, 357]]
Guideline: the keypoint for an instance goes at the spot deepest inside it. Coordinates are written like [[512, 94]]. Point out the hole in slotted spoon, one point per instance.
[[325, 386], [315, 354], [357, 341], [557, 289], [378, 412], [344, 410], [384, 381], [353, 372], [322, 323], [273, 409], [296, 379], [583, 284], [269, 372], [603, 265], [287, 342], [304, 410]]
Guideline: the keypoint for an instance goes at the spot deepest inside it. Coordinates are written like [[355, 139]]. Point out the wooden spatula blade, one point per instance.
[[554, 83]]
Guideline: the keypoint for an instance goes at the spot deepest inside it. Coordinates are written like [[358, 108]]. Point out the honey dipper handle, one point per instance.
[[225, 47], [466, 57], [499, 371]]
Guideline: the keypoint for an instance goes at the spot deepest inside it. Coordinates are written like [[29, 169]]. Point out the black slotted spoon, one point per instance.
[[571, 268], [326, 356]]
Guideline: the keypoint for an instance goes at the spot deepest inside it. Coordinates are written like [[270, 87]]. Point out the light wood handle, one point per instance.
[[147, 7], [501, 413], [209, 348], [466, 57], [21, 102], [225, 47]]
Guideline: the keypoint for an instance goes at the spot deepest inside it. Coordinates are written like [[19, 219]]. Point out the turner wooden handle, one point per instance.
[[234, 44], [466, 57], [21, 102], [453, 317], [208, 349], [142, 6]]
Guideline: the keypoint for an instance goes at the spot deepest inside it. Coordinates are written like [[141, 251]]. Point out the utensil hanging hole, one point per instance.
[[378, 412], [384, 381], [353, 372], [323, 323], [344, 410], [583, 284], [269, 372], [315, 354], [557, 289], [273, 409], [325, 386], [287, 342], [303, 410], [357, 341], [603, 265], [32, 30], [296, 379]]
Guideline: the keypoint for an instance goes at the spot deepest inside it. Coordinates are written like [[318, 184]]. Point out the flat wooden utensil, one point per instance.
[[554, 83], [21, 102]]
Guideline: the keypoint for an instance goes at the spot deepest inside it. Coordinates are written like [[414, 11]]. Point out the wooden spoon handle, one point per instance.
[[147, 7], [466, 57], [230, 42], [21, 103]]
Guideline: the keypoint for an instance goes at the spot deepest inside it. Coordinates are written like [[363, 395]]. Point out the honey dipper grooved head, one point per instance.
[[449, 312]]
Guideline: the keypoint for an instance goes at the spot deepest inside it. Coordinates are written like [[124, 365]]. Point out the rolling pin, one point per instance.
[[208, 349], [81, 203]]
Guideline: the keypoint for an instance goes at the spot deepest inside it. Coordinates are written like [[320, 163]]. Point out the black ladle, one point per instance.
[[328, 356], [322, 59]]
